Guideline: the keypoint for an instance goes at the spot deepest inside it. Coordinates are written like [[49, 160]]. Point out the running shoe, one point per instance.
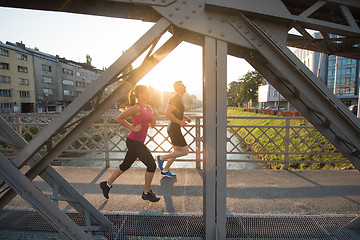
[[160, 162], [150, 196], [105, 189], [167, 174]]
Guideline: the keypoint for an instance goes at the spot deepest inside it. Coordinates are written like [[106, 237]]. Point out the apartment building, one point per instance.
[[17, 83], [339, 74], [56, 81]]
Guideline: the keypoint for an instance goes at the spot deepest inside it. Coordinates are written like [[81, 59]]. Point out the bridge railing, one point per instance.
[[285, 143]]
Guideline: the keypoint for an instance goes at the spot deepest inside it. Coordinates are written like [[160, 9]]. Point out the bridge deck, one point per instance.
[[248, 191], [295, 199]]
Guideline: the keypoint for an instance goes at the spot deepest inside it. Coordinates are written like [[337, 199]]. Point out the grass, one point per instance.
[[302, 140]]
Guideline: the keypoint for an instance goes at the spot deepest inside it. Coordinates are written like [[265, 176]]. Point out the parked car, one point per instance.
[[354, 109], [276, 108], [271, 108]]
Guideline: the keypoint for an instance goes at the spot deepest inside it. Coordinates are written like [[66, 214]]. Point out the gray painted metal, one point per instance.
[[22, 185], [52, 177], [215, 53], [262, 41]]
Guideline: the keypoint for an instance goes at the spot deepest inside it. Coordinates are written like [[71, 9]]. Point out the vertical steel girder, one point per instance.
[[215, 69], [266, 52]]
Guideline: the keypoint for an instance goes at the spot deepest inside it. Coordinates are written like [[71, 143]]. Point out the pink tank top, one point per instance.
[[144, 118]]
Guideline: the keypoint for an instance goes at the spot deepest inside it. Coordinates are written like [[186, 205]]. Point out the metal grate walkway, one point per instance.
[[20, 224]]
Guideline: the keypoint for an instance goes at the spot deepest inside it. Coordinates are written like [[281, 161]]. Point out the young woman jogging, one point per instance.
[[142, 116]]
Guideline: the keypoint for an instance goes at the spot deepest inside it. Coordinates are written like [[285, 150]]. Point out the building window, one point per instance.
[[5, 93], [4, 66], [68, 82], [79, 74], [80, 84], [21, 56], [68, 71], [48, 91], [6, 106], [24, 94], [22, 69], [23, 81], [47, 79], [69, 93], [46, 68], [4, 79], [4, 52]]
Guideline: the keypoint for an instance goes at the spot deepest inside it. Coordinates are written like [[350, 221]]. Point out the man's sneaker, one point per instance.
[[160, 162], [105, 189], [167, 174], [150, 196]]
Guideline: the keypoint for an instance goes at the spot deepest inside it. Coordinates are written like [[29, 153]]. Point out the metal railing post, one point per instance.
[[287, 143], [18, 125], [106, 144], [197, 140]]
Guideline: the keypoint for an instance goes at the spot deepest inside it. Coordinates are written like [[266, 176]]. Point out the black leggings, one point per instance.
[[136, 150]]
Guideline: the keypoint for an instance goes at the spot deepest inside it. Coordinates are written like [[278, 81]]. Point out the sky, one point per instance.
[[73, 36]]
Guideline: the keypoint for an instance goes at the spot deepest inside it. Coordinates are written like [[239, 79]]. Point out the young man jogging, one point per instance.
[[175, 113]]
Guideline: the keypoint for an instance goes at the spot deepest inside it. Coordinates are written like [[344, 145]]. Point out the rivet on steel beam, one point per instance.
[[252, 38], [170, 14], [246, 31], [181, 23], [209, 17], [233, 19], [239, 25], [163, 0], [259, 44], [222, 34], [200, 5], [184, 2], [193, 11], [209, 30], [177, 9], [187, 17]]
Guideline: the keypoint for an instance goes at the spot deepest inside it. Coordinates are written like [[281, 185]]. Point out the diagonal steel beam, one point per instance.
[[83, 99], [22, 185], [119, 94], [322, 108], [50, 176]]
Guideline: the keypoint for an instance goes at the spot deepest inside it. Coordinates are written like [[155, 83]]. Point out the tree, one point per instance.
[[88, 59], [233, 95], [244, 89]]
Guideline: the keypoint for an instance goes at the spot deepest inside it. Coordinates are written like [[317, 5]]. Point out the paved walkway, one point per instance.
[[268, 192]]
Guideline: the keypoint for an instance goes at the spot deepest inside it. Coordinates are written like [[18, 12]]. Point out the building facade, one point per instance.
[[53, 82], [339, 74], [17, 83]]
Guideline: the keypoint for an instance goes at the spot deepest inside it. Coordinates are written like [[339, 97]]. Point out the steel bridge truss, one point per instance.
[[256, 30]]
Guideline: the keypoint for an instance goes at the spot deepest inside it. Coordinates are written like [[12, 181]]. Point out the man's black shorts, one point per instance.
[[174, 131]]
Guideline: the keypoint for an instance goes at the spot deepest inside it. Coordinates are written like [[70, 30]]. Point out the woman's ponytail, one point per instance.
[[134, 94], [132, 98]]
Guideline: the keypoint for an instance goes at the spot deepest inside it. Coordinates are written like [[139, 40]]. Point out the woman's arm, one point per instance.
[[121, 118], [155, 116]]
